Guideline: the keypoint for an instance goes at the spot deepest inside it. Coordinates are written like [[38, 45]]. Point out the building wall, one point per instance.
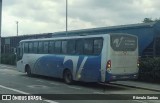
[[9, 43], [148, 35]]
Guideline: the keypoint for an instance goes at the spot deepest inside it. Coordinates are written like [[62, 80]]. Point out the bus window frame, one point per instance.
[[44, 47], [85, 51], [26, 49], [51, 49], [99, 38], [60, 48]]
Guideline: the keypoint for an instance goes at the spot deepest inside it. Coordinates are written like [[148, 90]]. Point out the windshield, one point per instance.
[[123, 42]]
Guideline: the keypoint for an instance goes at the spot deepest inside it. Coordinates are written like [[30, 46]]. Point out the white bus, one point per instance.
[[90, 58]]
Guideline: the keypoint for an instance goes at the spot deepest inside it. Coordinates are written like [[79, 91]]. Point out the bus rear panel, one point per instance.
[[123, 58]]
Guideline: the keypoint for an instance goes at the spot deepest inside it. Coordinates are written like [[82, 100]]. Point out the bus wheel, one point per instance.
[[67, 76], [28, 71]]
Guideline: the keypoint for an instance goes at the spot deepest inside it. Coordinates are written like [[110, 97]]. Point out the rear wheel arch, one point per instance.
[[67, 76], [28, 70]]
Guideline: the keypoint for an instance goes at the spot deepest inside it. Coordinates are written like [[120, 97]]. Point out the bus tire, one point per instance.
[[28, 71], [67, 76]]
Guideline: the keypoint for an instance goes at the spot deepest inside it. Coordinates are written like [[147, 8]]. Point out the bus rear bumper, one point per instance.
[[115, 77]]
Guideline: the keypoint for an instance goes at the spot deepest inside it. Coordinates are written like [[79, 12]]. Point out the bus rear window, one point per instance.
[[123, 42]]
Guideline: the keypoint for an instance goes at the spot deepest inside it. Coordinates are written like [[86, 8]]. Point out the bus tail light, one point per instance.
[[108, 64]]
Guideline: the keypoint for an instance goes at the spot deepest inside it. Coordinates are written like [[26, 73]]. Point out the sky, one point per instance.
[[49, 16]]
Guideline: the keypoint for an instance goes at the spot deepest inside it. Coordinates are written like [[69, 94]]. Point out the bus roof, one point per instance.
[[75, 37]]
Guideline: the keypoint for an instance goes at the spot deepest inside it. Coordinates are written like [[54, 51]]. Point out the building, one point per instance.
[[148, 35], [9, 43]]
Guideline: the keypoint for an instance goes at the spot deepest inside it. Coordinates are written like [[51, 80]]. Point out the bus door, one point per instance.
[[19, 55]]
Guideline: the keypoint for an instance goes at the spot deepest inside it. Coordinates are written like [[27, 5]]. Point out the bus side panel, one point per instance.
[[84, 68], [20, 66], [91, 70], [49, 65]]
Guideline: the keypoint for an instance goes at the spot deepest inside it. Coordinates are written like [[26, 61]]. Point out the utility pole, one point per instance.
[[17, 27], [0, 27], [66, 17]]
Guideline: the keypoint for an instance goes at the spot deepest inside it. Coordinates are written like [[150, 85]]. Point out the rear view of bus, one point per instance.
[[122, 63]]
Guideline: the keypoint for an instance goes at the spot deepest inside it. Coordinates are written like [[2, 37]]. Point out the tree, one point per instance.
[[157, 19], [148, 20]]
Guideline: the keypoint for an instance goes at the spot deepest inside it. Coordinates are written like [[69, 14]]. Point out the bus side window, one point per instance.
[[79, 46], [64, 47], [51, 47], [21, 50], [98, 46], [26, 47], [30, 50], [88, 46], [71, 47], [57, 47], [40, 47], [45, 47], [35, 47]]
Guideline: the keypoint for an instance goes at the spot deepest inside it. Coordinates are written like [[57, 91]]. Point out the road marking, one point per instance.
[[25, 77], [22, 92], [98, 92], [155, 101], [12, 75], [4, 73], [73, 87], [15, 90], [50, 101], [37, 86], [6, 70], [55, 83], [39, 80], [7, 67], [140, 101]]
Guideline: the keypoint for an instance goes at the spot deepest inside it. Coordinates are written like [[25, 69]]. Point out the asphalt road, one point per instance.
[[14, 82]]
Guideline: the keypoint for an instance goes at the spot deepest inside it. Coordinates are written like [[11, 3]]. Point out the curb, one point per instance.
[[156, 90]]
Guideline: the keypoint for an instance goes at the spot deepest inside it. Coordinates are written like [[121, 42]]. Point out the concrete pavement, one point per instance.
[[133, 84], [12, 81]]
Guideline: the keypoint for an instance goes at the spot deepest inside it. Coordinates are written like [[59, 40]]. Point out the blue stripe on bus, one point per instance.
[[52, 65]]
